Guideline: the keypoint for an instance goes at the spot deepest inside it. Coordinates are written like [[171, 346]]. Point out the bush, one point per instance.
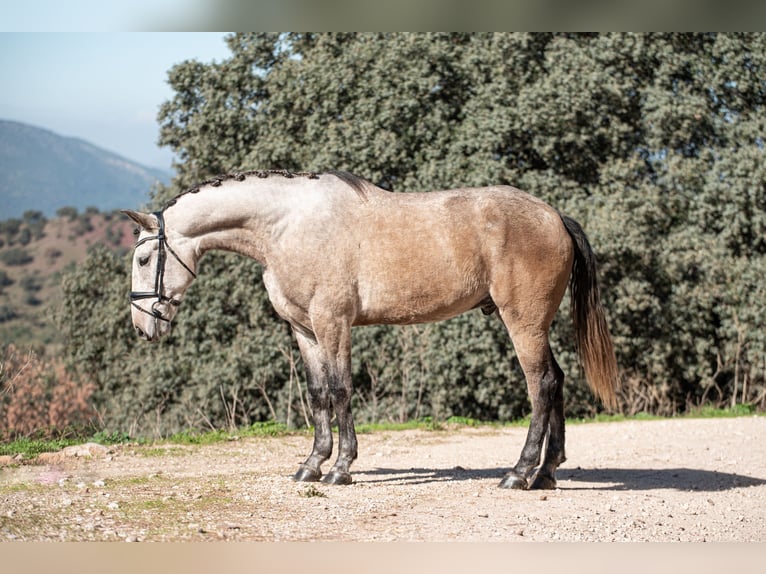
[[5, 280], [68, 213], [31, 284], [7, 313], [16, 256], [10, 228], [51, 254], [39, 398]]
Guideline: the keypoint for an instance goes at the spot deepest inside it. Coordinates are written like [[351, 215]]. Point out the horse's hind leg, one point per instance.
[[554, 452], [545, 381]]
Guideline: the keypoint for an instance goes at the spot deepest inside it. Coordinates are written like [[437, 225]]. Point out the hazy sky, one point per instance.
[[102, 87]]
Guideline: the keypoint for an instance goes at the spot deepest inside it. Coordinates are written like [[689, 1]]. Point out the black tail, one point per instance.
[[594, 343]]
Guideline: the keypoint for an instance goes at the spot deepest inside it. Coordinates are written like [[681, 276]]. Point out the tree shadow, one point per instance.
[[686, 479]]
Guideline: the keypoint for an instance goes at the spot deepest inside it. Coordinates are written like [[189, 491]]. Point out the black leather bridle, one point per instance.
[[163, 248]]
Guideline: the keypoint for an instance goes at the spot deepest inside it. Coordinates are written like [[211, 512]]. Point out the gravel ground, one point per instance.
[[667, 480]]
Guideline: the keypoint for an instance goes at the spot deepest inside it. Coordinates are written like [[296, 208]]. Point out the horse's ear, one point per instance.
[[145, 220]]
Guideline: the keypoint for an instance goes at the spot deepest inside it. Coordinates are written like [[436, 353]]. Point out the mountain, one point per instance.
[[43, 171]]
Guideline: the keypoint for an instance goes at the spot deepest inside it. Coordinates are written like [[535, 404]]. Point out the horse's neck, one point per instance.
[[238, 216]]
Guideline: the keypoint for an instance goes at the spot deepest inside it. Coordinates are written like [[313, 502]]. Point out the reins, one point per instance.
[[160, 274]]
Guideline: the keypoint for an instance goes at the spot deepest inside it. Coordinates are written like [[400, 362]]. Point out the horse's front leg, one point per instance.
[[335, 337], [319, 403], [340, 394], [327, 357]]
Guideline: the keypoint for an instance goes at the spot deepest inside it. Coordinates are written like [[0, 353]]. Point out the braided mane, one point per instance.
[[357, 183]]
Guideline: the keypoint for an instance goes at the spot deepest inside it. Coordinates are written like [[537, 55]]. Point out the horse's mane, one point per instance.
[[358, 184]]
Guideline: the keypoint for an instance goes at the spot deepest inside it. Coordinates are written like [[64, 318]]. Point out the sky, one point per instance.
[[104, 87]]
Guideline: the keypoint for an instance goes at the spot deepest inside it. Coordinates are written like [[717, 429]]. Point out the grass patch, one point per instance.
[[708, 412], [430, 424], [696, 413], [31, 447], [18, 487], [268, 428], [170, 509], [312, 491], [195, 438], [114, 437], [423, 424], [151, 504], [132, 481], [159, 451], [613, 418]]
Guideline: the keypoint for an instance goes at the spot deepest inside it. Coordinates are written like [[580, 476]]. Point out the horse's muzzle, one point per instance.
[[146, 337]]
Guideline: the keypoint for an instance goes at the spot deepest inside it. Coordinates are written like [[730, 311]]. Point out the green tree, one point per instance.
[[70, 213], [654, 142]]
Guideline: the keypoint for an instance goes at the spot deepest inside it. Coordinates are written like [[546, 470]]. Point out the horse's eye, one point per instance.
[[143, 260]]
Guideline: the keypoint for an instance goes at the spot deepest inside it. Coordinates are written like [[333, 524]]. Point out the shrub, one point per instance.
[[69, 213], [38, 397], [16, 256], [7, 313], [5, 280]]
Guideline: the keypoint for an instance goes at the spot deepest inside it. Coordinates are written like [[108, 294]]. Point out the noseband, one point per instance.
[[160, 274]]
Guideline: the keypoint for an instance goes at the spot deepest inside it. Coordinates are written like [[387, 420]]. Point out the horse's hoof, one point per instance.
[[542, 482], [306, 474], [337, 477], [514, 481]]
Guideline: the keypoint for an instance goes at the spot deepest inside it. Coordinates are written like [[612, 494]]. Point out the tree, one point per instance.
[[654, 142]]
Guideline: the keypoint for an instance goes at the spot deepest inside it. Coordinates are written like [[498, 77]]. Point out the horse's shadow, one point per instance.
[[687, 479]]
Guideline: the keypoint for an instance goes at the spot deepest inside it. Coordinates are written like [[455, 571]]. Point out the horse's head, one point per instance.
[[164, 266]]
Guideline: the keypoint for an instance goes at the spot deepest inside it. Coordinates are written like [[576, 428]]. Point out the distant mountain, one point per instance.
[[43, 171]]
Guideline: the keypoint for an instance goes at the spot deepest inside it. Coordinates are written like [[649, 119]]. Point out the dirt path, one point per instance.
[[689, 480]]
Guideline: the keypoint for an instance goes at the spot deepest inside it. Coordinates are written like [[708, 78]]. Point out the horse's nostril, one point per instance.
[[140, 333]]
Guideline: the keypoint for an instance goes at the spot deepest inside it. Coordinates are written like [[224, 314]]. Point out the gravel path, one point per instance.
[[668, 480]]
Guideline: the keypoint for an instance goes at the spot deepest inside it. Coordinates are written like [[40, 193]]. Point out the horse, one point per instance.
[[339, 252]]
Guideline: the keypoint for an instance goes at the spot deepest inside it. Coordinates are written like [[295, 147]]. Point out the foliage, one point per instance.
[[69, 212], [654, 142], [5, 280], [37, 397], [7, 313], [16, 256]]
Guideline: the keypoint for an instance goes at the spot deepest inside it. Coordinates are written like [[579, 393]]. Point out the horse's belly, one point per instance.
[[418, 301]]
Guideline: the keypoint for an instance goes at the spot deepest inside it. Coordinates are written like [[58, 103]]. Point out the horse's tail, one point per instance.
[[594, 343]]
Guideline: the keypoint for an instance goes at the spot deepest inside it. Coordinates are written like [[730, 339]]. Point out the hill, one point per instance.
[[33, 253], [43, 171]]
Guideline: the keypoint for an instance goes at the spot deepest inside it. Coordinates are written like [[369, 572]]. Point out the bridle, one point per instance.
[[160, 273]]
